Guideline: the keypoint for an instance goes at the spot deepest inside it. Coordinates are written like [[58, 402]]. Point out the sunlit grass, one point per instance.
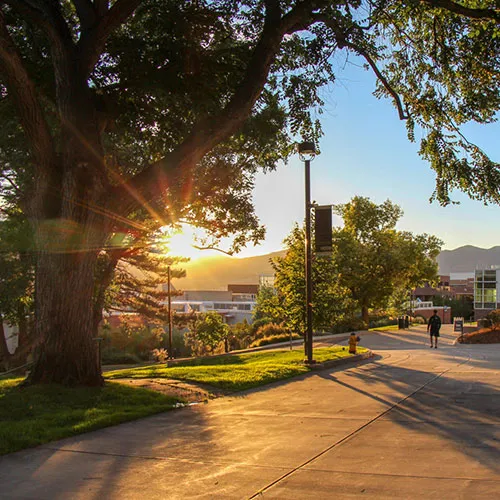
[[34, 415], [237, 372], [384, 328]]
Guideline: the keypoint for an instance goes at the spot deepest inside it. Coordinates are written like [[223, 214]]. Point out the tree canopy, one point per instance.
[[371, 262], [373, 259], [332, 303], [128, 115]]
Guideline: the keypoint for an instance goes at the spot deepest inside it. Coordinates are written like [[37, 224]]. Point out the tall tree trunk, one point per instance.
[[5, 355], [22, 324], [364, 315], [66, 351], [68, 244]]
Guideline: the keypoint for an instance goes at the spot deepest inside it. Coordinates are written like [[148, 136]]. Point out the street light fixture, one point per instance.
[[307, 153]]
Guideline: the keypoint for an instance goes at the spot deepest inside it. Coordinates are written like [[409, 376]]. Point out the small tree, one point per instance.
[[241, 335], [210, 330], [494, 318], [269, 306], [331, 301]]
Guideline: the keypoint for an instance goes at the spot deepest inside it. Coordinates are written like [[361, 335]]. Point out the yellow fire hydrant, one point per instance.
[[353, 342]]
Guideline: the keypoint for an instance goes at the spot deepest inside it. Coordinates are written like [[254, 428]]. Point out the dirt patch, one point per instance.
[[482, 336], [188, 391]]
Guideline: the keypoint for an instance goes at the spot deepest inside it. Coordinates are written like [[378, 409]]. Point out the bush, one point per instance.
[[383, 322], [241, 336], [494, 318], [138, 341], [348, 325], [484, 323], [419, 320], [274, 339], [270, 330], [258, 323], [113, 357], [159, 355]]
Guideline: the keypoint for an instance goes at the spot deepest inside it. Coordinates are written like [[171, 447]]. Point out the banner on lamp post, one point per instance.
[[323, 230]]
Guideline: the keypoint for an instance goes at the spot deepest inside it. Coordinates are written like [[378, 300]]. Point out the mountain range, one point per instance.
[[215, 273], [467, 259]]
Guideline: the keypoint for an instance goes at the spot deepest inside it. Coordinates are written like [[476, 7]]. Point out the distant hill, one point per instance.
[[467, 259], [215, 273]]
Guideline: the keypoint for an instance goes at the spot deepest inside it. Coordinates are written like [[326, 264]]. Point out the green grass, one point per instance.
[[237, 372], [384, 328], [34, 415]]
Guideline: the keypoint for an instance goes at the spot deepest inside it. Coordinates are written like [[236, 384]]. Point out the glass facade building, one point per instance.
[[486, 289]]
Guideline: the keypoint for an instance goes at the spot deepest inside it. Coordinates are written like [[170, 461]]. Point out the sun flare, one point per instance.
[[181, 244]]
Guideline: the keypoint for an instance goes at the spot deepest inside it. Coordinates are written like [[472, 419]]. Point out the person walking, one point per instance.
[[433, 327]]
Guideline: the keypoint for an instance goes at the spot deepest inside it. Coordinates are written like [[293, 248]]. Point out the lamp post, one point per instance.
[[307, 152], [170, 349]]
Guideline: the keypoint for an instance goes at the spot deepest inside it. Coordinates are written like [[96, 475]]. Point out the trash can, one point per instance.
[[401, 323], [407, 322]]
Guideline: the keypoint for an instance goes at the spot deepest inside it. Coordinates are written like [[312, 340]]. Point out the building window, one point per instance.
[[485, 289]]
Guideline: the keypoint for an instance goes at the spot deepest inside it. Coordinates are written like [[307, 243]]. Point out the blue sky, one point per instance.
[[365, 151]]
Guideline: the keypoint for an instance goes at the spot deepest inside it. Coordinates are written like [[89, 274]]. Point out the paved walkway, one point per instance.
[[411, 423]]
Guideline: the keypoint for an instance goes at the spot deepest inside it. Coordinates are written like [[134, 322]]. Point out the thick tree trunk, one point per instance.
[[66, 351]]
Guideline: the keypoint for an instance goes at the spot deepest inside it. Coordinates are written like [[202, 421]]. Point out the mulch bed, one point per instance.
[[188, 391], [482, 336]]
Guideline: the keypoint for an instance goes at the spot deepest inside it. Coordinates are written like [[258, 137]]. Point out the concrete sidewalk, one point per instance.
[[411, 423]]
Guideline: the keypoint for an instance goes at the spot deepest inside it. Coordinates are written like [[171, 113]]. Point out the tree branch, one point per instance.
[[343, 41], [92, 43], [23, 92], [214, 248], [101, 6], [48, 17], [403, 114], [491, 14], [86, 13], [208, 132]]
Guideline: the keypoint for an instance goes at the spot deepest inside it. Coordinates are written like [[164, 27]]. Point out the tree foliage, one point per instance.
[[331, 302], [210, 330], [373, 259]]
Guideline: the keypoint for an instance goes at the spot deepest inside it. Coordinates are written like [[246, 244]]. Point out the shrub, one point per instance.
[[241, 335], [113, 357], [419, 320], [383, 322], [269, 330], [274, 339], [258, 323], [484, 323], [494, 318], [348, 325], [139, 341], [159, 355]]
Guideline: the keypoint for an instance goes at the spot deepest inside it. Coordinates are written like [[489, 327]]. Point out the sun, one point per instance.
[[183, 242], [180, 244]]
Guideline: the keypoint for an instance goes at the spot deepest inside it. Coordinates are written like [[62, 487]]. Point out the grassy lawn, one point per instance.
[[237, 372], [31, 416], [383, 328]]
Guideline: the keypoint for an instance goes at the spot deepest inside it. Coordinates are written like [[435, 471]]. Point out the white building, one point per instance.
[[233, 312]]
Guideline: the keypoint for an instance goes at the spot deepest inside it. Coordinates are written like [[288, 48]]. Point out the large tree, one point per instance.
[[116, 112], [373, 259]]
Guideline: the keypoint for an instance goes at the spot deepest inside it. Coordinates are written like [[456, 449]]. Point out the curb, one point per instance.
[[342, 361]]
